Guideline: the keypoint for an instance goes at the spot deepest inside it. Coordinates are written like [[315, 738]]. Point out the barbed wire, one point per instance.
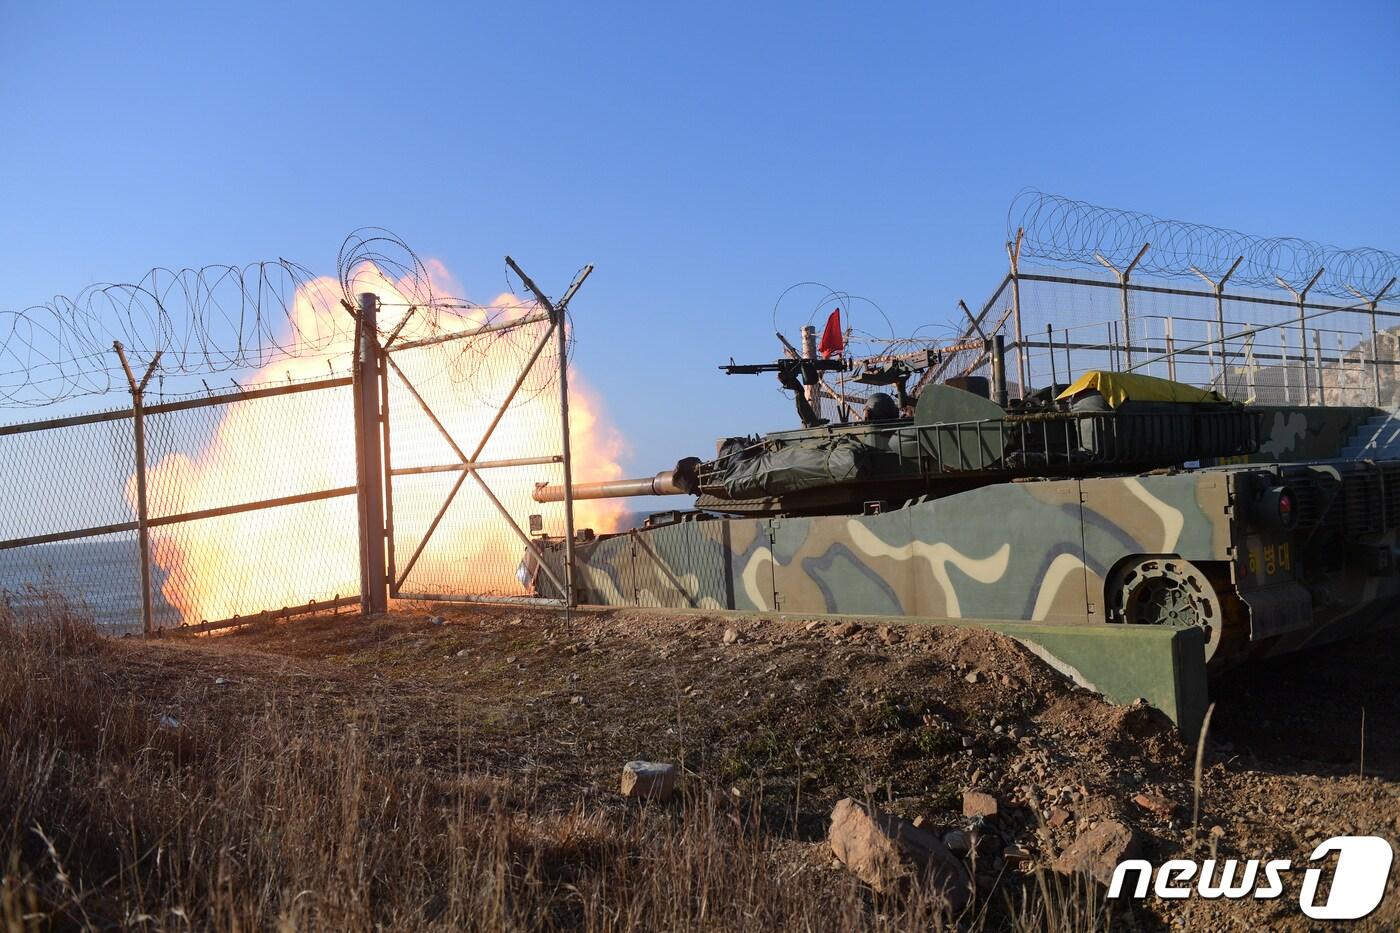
[[372, 258], [231, 319], [205, 320], [1060, 229]]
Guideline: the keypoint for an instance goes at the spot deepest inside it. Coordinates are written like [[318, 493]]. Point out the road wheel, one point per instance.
[[1167, 591]]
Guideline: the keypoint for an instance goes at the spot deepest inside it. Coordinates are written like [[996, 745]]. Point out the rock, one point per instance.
[[1156, 804], [958, 842], [978, 803], [813, 625], [435, 620], [1097, 852], [891, 635], [843, 630], [577, 700], [888, 853], [648, 780], [1059, 816], [974, 677], [731, 635], [464, 652]]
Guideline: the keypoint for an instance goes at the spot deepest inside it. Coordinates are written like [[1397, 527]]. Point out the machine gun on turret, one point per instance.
[[810, 370]]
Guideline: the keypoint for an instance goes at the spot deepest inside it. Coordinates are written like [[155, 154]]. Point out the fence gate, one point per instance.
[[471, 421]]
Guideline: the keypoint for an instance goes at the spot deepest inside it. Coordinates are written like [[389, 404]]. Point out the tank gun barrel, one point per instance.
[[662, 484], [680, 481]]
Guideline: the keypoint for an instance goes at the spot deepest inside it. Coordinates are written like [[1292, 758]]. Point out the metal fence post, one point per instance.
[[1371, 302], [1211, 351], [1013, 251], [1123, 277], [374, 598], [558, 313], [1169, 342], [1219, 288], [570, 597], [1302, 298], [1317, 367], [143, 531], [1341, 370], [1249, 368], [387, 448]]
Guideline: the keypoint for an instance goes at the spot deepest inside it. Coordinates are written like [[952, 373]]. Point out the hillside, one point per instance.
[[458, 768]]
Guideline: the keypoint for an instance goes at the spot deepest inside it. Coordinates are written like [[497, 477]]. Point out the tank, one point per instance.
[[1134, 532]]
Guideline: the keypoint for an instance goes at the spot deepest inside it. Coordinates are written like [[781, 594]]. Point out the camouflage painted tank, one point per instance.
[[1103, 533]]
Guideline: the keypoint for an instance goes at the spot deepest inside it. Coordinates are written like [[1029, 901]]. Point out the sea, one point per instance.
[[100, 577]]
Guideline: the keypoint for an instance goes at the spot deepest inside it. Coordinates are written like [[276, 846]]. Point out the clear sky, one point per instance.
[[703, 156]]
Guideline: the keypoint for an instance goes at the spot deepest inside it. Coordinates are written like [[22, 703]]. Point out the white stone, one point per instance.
[[648, 780]]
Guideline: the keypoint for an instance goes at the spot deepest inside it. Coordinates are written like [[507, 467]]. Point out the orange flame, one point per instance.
[[269, 558]]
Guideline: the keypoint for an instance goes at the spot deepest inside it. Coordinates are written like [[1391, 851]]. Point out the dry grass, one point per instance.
[[114, 815]]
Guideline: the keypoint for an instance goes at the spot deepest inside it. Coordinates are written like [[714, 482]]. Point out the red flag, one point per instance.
[[832, 341]]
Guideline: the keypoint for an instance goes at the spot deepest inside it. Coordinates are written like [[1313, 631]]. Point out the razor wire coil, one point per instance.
[[1063, 230], [231, 319]]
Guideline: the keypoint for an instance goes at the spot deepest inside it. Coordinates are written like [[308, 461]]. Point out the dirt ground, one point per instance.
[[795, 714]]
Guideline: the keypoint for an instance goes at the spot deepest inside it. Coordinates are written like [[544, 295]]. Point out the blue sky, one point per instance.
[[703, 156]]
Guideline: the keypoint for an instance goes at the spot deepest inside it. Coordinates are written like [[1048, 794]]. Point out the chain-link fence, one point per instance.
[[64, 517], [474, 426], [252, 498], [250, 507], [200, 510], [262, 515], [1250, 345]]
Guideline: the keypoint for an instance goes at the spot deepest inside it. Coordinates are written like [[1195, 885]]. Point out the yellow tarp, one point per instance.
[[1117, 388]]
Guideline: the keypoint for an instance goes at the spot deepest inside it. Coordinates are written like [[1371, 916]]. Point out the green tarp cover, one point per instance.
[[780, 470]]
